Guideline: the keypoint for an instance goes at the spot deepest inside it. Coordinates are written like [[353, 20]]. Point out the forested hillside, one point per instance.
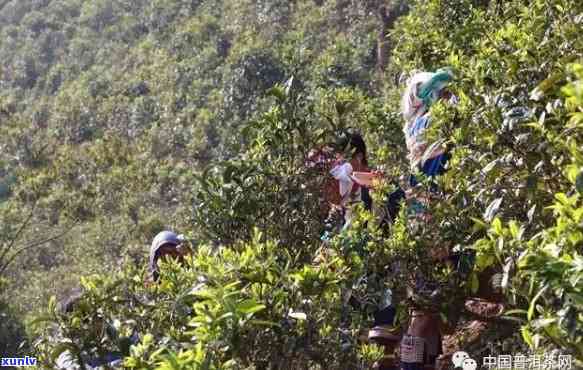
[[111, 108], [119, 119]]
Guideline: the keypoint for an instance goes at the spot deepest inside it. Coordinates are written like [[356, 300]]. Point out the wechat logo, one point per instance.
[[461, 360]]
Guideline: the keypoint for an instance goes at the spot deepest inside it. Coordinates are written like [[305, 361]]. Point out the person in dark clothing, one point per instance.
[[340, 160], [167, 244]]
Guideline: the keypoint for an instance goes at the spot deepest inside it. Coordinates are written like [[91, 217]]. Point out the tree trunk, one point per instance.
[[387, 17]]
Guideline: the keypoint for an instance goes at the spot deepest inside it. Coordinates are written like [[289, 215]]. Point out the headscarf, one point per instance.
[[163, 238], [422, 91]]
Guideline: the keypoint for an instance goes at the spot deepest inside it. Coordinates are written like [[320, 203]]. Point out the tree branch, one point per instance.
[[16, 236], [7, 263]]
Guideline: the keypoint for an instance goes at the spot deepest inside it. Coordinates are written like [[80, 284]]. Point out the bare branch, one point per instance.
[[7, 263], [18, 233]]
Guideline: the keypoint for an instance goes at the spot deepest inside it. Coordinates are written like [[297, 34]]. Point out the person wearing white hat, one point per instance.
[[165, 244]]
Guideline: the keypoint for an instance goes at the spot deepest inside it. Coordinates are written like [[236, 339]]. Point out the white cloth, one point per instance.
[[342, 173]]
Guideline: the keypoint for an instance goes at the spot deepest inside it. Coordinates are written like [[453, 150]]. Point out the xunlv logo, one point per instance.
[[18, 361]]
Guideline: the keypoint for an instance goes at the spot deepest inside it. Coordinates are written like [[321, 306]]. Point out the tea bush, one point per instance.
[[198, 116]]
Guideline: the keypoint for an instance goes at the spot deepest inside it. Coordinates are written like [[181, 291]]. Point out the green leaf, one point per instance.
[[492, 209], [148, 339], [531, 213], [264, 323], [474, 283], [288, 85], [515, 229], [249, 307], [278, 92], [224, 316], [542, 323], [527, 336], [484, 260], [497, 226], [52, 306], [532, 306], [42, 319], [479, 225], [546, 86], [490, 166]]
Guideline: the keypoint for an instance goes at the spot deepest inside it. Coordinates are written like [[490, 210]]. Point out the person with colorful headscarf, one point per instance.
[[421, 344], [424, 89]]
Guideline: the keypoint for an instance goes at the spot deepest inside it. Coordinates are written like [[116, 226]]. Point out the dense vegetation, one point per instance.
[[121, 118]]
